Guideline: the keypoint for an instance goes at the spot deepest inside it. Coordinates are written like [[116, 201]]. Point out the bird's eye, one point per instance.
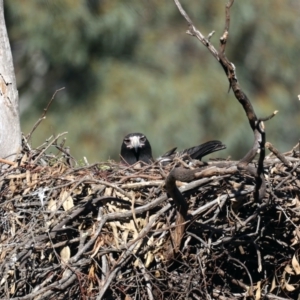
[[142, 139], [127, 141]]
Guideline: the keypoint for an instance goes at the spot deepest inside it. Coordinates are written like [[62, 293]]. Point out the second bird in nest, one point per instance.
[[136, 147]]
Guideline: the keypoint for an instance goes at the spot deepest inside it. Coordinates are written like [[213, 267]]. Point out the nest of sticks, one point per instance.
[[110, 231], [220, 230]]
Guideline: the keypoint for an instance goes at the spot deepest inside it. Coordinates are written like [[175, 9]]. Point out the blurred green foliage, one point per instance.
[[128, 66]]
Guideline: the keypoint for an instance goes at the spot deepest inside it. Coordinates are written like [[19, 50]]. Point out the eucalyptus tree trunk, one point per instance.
[[10, 131]]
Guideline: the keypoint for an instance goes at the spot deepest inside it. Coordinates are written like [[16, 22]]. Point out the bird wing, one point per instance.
[[198, 152], [167, 157], [170, 152]]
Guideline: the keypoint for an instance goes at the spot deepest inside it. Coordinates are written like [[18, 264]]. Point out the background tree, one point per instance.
[[10, 133], [127, 68]]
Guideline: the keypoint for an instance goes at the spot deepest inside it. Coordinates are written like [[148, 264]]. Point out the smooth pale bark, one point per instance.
[[10, 131]]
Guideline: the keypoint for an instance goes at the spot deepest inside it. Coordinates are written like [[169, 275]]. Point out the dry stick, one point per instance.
[[197, 33], [133, 213], [61, 202], [258, 253], [69, 215], [44, 150], [255, 123], [274, 297], [125, 178], [69, 277], [278, 154], [7, 162], [142, 184], [147, 280], [43, 117], [268, 161], [217, 211], [295, 150], [216, 294], [288, 177], [213, 170], [114, 186], [233, 280], [104, 268], [258, 147], [250, 290], [59, 244], [121, 216], [180, 202], [69, 158], [127, 254]]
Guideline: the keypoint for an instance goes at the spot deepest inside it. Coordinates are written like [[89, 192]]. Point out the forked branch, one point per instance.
[[256, 124]]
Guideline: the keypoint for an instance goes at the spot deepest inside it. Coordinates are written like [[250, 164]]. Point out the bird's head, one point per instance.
[[136, 147], [135, 141]]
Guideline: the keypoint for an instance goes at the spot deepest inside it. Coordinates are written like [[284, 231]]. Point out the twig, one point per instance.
[[7, 162], [43, 116], [280, 156], [122, 260], [255, 123], [250, 290], [50, 144]]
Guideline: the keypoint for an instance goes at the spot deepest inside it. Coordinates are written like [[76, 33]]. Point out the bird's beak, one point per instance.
[[135, 143]]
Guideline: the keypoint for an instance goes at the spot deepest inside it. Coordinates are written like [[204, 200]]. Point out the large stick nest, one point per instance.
[[107, 232]]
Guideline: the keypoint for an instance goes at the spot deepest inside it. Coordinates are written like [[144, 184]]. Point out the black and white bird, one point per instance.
[[136, 147]]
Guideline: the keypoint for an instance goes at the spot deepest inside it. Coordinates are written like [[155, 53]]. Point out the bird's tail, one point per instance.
[[198, 152]]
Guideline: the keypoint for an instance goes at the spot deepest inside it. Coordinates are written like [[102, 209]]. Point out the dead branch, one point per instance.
[[43, 116]]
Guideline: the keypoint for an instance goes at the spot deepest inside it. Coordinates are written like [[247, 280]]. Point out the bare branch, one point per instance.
[[43, 116]]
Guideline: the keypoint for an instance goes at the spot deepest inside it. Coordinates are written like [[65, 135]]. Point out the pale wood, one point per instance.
[[10, 131]]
